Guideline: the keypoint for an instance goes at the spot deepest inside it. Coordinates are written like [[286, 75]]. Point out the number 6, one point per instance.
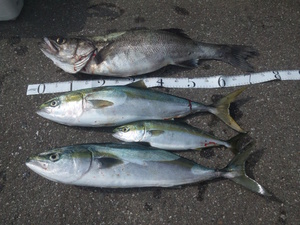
[[221, 82]]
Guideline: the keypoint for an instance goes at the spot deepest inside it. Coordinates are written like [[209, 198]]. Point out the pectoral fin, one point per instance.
[[156, 132], [99, 58], [193, 63], [108, 162], [100, 103], [101, 55]]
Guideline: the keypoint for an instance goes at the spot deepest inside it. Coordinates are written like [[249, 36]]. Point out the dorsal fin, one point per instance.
[[138, 84], [107, 38], [177, 31]]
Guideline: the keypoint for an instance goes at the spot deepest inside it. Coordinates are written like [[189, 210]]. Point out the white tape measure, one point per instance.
[[199, 82]]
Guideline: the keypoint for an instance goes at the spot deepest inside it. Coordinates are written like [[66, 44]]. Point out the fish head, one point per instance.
[[133, 132], [69, 54], [65, 109], [65, 165]]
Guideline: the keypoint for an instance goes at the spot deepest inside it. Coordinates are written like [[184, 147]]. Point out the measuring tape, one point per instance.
[[199, 82]]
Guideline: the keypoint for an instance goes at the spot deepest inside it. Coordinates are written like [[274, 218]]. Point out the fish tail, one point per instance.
[[235, 171], [237, 55], [221, 109], [234, 142]]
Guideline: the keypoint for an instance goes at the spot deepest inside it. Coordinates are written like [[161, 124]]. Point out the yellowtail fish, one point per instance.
[[117, 105], [170, 135], [131, 165]]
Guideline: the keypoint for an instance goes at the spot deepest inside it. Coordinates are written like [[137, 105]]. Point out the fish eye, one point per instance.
[[60, 41], [125, 129], [54, 103], [54, 157]]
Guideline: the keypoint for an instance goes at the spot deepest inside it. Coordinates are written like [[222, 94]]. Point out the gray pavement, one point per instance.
[[269, 112]]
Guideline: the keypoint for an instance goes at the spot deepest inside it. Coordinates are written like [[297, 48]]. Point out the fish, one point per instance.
[[110, 165], [136, 52], [171, 135], [118, 105], [68, 54]]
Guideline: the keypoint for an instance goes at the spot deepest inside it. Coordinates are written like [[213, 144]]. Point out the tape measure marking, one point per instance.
[[167, 82]]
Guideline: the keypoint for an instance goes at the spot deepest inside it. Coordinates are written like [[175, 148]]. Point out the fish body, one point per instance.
[[117, 105], [138, 52], [127, 166], [168, 135]]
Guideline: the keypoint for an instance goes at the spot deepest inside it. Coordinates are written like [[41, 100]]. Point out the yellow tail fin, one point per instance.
[[221, 109]]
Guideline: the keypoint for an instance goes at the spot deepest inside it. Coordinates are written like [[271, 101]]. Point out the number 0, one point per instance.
[[41, 88]]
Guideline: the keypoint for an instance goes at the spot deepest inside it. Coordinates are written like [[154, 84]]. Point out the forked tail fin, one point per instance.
[[221, 109], [235, 171], [237, 56], [235, 141]]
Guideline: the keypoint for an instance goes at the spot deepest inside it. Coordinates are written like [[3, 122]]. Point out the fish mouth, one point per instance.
[[28, 160], [118, 135], [115, 133], [45, 113], [35, 164], [115, 130], [40, 167], [40, 113], [49, 46]]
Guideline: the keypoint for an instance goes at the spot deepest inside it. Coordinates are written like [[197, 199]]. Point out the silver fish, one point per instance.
[[117, 105], [138, 52], [170, 135], [127, 166], [71, 55]]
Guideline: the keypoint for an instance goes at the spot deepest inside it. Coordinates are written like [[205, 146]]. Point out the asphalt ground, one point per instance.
[[269, 112]]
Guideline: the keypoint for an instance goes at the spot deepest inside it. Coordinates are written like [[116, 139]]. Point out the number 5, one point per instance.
[[191, 83]]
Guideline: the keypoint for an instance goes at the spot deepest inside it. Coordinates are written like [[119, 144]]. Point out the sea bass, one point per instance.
[[128, 166], [117, 105], [138, 52], [71, 55], [170, 135]]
